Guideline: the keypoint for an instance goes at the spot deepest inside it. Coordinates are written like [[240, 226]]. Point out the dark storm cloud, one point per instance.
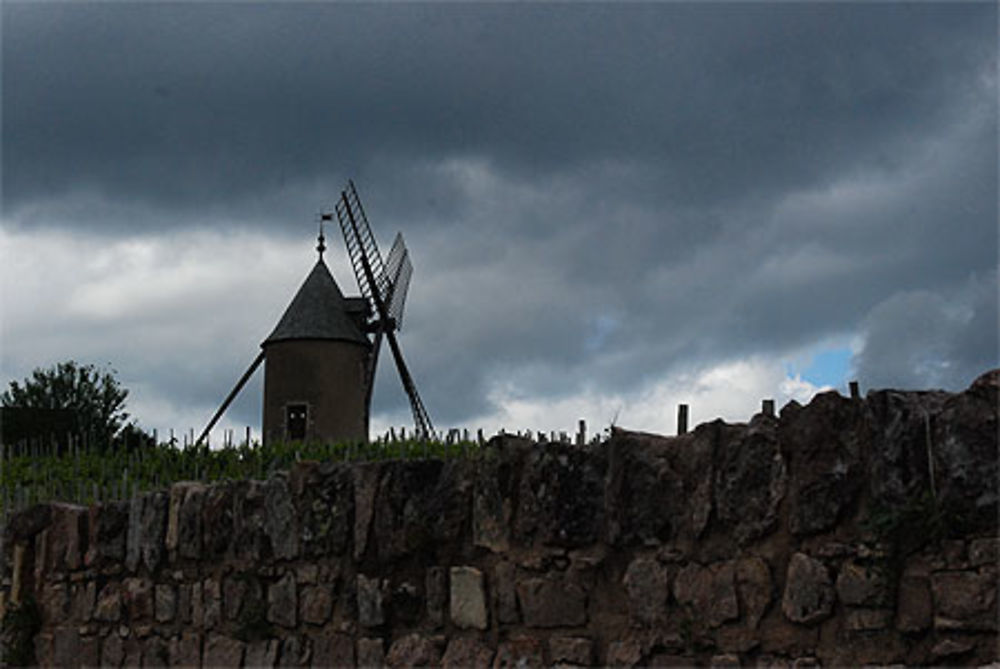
[[924, 339], [594, 196], [185, 106]]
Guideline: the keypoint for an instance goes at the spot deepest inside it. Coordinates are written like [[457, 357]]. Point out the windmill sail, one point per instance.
[[385, 291], [361, 247], [399, 269]]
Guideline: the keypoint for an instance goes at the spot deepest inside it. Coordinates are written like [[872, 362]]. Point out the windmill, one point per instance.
[[384, 285], [320, 359]]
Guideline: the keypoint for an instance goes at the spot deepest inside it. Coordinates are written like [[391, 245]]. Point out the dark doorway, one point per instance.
[[296, 421]]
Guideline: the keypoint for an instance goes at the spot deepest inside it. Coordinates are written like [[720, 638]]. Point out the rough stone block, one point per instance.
[[65, 647], [332, 650], [648, 587], [295, 651], [185, 650], [779, 638], [211, 592], [234, 591], [154, 522], [505, 592], [155, 653], [190, 521], [724, 661], [423, 507], [55, 602], [249, 541], [264, 653], [223, 651], [436, 593], [197, 605], [491, 505], [133, 652], [166, 603], [280, 519], [750, 479], [371, 594], [823, 441], [413, 650], [964, 435], [44, 649], [324, 496], [984, 552], [109, 603], [947, 651], [108, 526], [670, 659], [316, 604], [571, 649], [733, 639], [953, 551], [371, 653], [366, 479], [20, 576], [465, 652], [964, 600], [147, 525], [467, 602], [406, 604], [113, 651], [867, 620], [282, 602], [139, 597], [623, 654], [307, 574], [184, 603], [84, 599], [860, 585], [175, 497], [552, 602], [755, 589], [217, 520], [560, 499], [66, 537], [89, 652], [41, 560], [872, 648], [914, 610], [710, 591], [809, 594], [520, 652]]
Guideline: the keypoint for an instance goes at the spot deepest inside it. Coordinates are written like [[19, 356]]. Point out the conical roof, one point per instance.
[[318, 311]]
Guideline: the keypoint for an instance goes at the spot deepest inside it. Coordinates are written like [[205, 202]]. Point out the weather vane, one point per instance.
[[322, 240]]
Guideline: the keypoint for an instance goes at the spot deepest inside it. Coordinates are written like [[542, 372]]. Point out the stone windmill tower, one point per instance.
[[316, 365], [320, 359]]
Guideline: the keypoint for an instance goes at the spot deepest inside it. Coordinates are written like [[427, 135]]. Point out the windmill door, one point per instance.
[[295, 421]]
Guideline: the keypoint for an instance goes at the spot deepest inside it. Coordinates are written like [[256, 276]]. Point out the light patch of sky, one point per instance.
[[828, 367], [154, 300], [731, 390], [162, 415], [601, 329]]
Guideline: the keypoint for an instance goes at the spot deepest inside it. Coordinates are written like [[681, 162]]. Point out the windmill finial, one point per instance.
[[322, 240]]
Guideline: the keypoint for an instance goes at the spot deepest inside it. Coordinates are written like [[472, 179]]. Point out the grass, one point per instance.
[[29, 476]]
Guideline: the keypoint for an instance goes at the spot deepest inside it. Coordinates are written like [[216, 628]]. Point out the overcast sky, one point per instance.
[[610, 209]]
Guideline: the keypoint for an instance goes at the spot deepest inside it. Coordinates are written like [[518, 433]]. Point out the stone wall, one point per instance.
[[844, 532]]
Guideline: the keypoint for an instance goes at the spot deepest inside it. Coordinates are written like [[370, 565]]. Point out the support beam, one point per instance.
[[232, 395]]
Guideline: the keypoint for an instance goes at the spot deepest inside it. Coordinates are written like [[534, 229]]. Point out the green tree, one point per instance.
[[95, 397]]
